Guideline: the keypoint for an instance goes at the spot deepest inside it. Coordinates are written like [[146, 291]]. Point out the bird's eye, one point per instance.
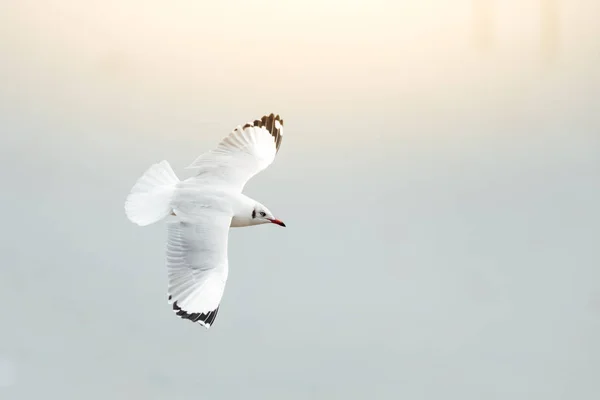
[[262, 214]]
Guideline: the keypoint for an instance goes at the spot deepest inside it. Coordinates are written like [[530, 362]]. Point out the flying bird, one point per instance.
[[201, 209]]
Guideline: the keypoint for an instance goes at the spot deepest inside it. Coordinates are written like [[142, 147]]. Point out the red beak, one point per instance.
[[278, 222]]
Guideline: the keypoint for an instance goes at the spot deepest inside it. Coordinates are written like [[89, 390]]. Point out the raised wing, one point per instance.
[[197, 264], [241, 155]]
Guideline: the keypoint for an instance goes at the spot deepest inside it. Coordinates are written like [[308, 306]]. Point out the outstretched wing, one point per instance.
[[242, 154], [197, 264]]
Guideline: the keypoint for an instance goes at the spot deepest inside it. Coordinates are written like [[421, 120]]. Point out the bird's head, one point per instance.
[[262, 215]]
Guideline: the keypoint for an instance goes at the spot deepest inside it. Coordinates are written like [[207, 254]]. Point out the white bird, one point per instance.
[[203, 208]]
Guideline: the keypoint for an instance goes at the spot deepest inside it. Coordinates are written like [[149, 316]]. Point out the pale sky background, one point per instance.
[[442, 199]]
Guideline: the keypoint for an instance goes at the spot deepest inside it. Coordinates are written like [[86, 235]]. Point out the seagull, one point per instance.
[[201, 209]]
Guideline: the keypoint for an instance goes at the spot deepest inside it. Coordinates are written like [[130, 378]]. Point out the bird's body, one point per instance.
[[190, 194], [202, 209]]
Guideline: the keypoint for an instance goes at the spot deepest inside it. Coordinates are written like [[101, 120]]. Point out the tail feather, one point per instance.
[[150, 198]]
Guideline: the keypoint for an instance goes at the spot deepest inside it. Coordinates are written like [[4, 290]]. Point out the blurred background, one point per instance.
[[439, 177]]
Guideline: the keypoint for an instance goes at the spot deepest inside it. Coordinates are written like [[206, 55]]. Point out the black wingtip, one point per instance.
[[205, 319]]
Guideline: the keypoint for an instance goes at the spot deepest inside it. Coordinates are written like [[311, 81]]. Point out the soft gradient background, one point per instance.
[[440, 178]]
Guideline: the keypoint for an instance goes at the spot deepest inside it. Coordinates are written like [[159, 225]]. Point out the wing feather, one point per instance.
[[245, 152], [197, 264]]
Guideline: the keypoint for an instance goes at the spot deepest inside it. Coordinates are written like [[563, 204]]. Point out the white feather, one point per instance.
[[197, 265], [238, 157], [150, 198]]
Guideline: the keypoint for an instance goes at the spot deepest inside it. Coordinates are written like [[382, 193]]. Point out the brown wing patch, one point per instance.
[[269, 123]]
